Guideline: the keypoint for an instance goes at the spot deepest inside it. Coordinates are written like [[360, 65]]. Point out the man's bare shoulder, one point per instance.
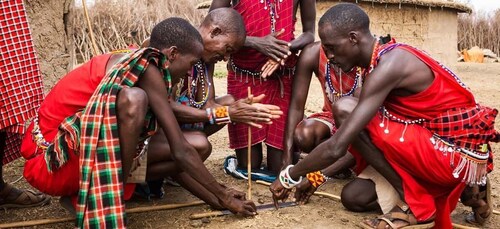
[[310, 53], [398, 62], [404, 67]]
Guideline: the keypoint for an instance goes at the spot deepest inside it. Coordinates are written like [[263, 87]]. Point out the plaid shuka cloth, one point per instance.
[[21, 88], [100, 199], [468, 128]]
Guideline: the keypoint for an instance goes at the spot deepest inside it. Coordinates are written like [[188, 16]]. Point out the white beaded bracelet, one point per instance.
[[286, 180]]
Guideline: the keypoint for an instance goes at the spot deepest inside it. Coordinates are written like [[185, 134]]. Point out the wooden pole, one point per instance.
[[91, 32], [32, 223], [249, 154]]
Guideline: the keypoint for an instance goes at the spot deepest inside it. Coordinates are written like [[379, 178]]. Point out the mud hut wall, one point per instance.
[[434, 31], [49, 21]]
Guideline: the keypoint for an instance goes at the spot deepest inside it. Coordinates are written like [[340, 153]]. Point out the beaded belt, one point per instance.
[[244, 72], [473, 162], [37, 135]]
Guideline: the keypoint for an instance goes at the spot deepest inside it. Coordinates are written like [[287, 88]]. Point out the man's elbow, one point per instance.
[[334, 151]]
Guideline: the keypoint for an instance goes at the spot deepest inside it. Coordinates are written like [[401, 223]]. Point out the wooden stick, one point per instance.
[[249, 154], [323, 194], [91, 32], [335, 197], [32, 223], [206, 215], [260, 208], [460, 226]]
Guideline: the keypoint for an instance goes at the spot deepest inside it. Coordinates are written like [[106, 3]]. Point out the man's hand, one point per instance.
[[272, 47], [269, 67], [236, 194], [239, 207], [243, 111], [303, 191], [279, 192]]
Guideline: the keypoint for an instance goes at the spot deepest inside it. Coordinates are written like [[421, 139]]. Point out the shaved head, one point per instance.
[[346, 17], [223, 33], [228, 20]]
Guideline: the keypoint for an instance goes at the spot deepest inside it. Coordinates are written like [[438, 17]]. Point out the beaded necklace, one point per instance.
[[273, 12], [199, 76], [338, 94], [373, 60]]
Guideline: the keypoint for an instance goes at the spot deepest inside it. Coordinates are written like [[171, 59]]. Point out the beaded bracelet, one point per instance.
[[221, 115], [316, 178], [286, 180], [211, 117]]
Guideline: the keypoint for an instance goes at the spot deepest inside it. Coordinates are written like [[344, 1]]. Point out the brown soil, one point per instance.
[[484, 79]]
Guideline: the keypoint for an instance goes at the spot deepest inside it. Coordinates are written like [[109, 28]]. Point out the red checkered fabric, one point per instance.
[[270, 134], [256, 16], [466, 127], [258, 24], [21, 87]]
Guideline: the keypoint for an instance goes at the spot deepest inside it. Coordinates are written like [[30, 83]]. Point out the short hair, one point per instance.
[[228, 19], [346, 17], [177, 32]]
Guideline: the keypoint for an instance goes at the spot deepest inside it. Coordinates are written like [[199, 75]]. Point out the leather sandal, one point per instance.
[[24, 198], [387, 221]]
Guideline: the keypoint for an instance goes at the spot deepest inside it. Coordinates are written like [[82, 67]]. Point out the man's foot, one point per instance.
[[400, 217], [11, 197], [479, 199]]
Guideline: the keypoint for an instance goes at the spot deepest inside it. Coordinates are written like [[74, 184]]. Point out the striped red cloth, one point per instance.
[[257, 18], [21, 87]]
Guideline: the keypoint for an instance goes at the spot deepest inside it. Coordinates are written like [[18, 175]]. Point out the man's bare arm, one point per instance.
[[182, 152], [187, 157], [308, 19], [386, 77], [219, 4], [269, 45], [306, 65]]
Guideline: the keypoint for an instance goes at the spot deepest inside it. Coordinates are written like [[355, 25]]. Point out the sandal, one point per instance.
[[479, 215], [23, 198], [387, 221]]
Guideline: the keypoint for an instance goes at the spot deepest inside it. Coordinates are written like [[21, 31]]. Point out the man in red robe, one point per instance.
[[369, 191], [418, 125], [21, 92], [102, 118], [270, 26]]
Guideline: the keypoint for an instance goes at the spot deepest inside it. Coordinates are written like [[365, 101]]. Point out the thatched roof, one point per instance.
[[443, 4]]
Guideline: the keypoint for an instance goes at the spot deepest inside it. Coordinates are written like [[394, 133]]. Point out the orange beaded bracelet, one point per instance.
[[316, 178]]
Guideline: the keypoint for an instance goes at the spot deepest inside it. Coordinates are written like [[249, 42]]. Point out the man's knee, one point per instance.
[[201, 144], [132, 103], [343, 108], [358, 194], [303, 138]]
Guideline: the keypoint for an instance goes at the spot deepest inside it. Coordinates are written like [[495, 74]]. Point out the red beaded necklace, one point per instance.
[[373, 60]]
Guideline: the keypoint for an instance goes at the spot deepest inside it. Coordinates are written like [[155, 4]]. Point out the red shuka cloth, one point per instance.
[[258, 23], [68, 96], [429, 186], [21, 87]]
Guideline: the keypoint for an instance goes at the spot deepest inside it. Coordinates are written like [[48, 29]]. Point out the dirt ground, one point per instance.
[[484, 79]]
